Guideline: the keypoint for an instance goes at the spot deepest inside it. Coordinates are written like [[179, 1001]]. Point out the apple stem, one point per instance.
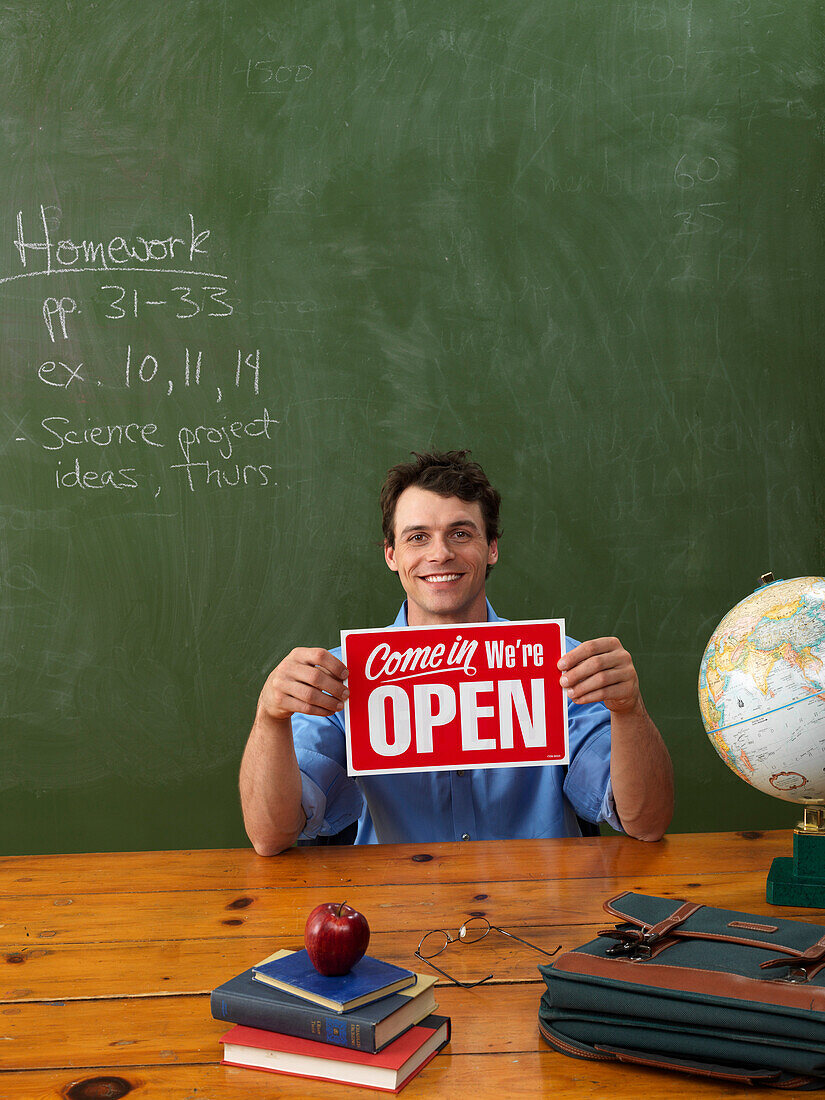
[[340, 908]]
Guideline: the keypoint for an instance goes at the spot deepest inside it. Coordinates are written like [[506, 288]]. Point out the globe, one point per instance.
[[762, 689]]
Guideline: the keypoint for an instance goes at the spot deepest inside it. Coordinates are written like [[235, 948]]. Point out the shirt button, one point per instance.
[[459, 773], [465, 836]]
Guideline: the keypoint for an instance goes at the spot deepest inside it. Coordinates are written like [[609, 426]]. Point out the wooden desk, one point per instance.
[[108, 960]]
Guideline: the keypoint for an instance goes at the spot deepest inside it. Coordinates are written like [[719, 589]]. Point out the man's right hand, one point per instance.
[[307, 681]]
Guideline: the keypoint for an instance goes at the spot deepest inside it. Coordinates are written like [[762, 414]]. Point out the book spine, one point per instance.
[[332, 1028]]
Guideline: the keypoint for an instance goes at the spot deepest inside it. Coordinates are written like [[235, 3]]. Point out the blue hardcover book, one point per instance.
[[368, 980], [242, 1000]]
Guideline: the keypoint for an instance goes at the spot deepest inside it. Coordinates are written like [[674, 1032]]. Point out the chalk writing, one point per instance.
[[221, 435], [701, 218], [688, 173], [59, 308], [209, 473], [42, 252], [125, 453], [204, 471], [59, 374], [117, 252], [101, 435], [188, 368], [201, 446], [211, 302], [75, 477], [245, 370], [272, 77]]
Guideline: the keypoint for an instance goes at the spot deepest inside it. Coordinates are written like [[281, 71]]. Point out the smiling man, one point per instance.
[[440, 519], [442, 553]]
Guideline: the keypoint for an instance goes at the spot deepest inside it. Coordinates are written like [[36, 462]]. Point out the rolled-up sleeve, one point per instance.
[[330, 798], [607, 812], [587, 785]]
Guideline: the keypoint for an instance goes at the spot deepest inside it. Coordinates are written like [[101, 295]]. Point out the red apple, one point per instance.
[[336, 937]]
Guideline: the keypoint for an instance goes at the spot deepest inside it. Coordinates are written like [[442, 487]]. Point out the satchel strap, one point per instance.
[[643, 932], [644, 942], [803, 965], [658, 931]]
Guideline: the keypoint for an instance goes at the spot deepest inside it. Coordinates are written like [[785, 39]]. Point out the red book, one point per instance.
[[389, 1070]]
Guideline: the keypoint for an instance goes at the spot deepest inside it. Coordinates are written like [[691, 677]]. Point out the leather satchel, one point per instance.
[[684, 986]]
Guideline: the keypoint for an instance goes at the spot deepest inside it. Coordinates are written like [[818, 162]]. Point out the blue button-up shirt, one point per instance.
[[473, 804]]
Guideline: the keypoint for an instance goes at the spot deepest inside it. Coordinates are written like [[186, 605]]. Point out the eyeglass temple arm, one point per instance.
[[526, 942], [465, 985]]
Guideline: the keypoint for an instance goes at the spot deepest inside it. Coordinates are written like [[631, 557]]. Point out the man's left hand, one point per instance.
[[601, 671]]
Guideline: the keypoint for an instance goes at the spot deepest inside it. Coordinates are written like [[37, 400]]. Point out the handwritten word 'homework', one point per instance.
[[116, 252]]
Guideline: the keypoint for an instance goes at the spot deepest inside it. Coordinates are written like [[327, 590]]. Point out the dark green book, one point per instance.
[[243, 1000]]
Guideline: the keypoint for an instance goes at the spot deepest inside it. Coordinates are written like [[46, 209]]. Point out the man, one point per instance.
[[441, 530]]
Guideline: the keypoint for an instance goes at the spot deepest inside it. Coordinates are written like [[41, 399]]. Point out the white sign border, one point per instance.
[[452, 767]]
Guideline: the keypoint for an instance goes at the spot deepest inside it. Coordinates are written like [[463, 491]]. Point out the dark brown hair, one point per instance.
[[447, 473]]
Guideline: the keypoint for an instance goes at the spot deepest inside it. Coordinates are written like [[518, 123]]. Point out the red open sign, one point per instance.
[[478, 695]]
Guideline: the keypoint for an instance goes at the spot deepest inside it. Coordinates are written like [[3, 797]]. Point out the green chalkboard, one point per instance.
[[253, 254]]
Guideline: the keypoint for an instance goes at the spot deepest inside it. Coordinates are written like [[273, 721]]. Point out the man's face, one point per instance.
[[441, 556]]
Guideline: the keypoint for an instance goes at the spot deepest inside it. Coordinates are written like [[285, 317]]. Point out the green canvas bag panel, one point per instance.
[[689, 987]]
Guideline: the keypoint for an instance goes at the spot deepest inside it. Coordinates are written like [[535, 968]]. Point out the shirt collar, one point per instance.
[[401, 617]]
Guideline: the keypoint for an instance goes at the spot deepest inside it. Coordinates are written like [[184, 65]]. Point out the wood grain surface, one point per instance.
[[107, 960]]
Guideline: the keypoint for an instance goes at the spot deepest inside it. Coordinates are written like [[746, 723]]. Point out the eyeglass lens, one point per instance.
[[476, 928], [434, 943]]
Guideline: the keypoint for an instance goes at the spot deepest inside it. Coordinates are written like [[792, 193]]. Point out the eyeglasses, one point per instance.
[[473, 930]]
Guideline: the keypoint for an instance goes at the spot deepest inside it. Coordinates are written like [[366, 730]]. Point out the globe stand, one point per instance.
[[801, 880]]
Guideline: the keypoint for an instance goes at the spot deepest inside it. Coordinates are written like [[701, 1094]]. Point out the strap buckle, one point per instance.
[[802, 967], [632, 943], [798, 975], [640, 943]]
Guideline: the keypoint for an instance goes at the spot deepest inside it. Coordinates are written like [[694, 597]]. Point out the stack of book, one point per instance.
[[374, 1026]]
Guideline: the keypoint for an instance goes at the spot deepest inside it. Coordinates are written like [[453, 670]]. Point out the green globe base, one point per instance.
[[799, 880]]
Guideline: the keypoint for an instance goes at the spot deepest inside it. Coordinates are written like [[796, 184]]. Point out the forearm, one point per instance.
[[270, 785], [641, 774]]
